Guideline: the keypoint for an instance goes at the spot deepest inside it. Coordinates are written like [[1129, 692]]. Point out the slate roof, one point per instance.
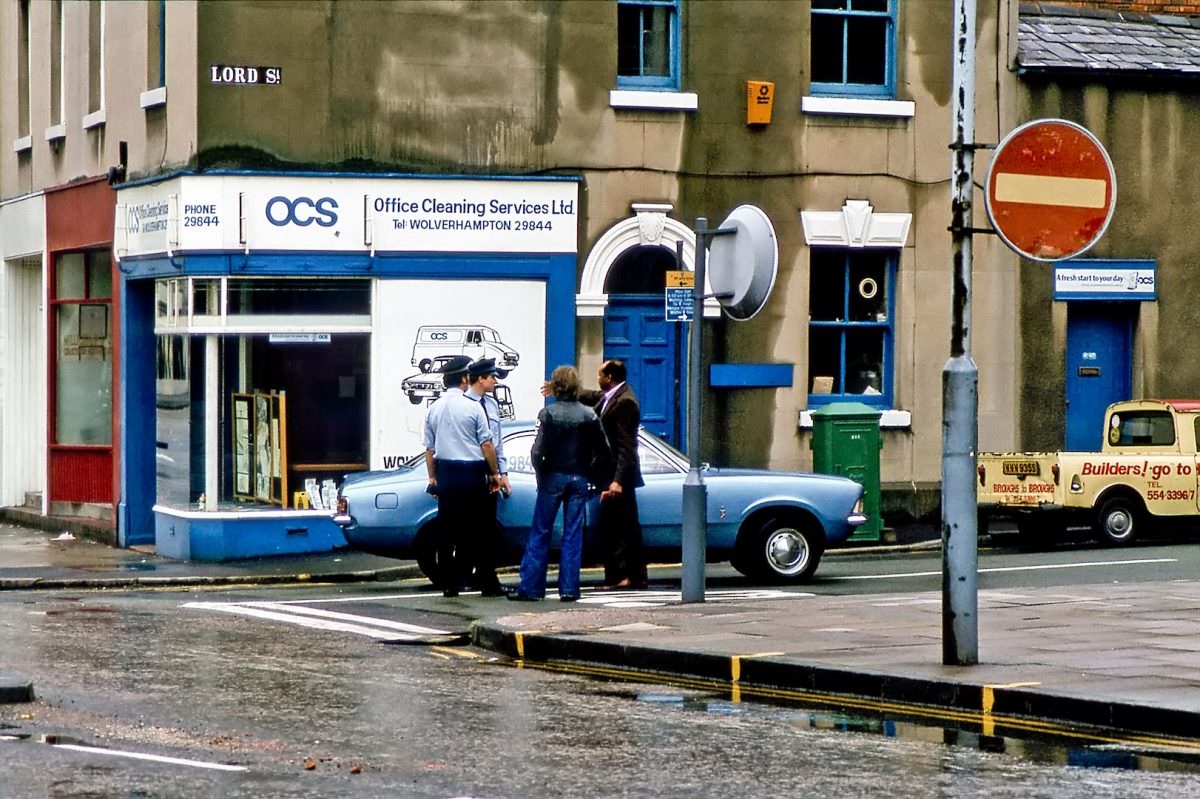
[[1058, 38]]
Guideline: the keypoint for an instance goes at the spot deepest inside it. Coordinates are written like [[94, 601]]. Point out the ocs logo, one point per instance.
[[1135, 279], [301, 211]]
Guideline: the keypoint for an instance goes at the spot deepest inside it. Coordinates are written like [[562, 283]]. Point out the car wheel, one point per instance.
[[502, 373], [425, 364], [783, 551], [1118, 521], [414, 399]]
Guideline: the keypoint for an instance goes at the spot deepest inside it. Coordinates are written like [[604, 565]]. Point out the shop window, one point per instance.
[[289, 296], [179, 435], [648, 44], [850, 326], [82, 318], [291, 388], [182, 303], [292, 414], [853, 48]]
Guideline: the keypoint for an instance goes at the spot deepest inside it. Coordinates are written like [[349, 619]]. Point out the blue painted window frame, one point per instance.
[[845, 88], [654, 82], [845, 325]]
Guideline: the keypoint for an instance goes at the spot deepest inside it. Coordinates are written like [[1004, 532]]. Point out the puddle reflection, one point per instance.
[[1042, 750]]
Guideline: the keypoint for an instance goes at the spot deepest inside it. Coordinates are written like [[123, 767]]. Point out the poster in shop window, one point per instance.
[[420, 324], [241, 445], [262, 444]]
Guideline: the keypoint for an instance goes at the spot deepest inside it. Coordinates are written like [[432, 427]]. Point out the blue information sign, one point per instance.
[[679, 304]]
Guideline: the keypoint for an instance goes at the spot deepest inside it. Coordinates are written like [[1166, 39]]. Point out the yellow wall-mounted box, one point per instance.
[[760, 98]]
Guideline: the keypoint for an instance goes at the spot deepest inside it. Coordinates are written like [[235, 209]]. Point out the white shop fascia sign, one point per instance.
[[207, 213]]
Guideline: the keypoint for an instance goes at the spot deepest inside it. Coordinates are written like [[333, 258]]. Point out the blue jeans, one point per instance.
[[555, 488]]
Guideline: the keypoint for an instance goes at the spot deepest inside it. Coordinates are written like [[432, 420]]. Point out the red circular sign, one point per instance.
[[1051, 190]]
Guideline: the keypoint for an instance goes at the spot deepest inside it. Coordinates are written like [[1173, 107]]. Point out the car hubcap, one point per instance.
[[1119, 524], [787, 551]]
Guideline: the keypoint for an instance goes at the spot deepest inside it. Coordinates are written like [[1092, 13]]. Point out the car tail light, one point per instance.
[[1056, 471], [858, 506], [343, 506]]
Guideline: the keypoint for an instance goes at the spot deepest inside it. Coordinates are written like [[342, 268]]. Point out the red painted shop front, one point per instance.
[[81, 313]]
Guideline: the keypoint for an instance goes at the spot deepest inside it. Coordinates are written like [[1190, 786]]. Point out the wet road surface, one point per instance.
[[324, 711]]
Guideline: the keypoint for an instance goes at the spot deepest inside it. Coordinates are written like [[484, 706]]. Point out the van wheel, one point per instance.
[[502, 373], [1118, 521], [425, 365], [414, 399]]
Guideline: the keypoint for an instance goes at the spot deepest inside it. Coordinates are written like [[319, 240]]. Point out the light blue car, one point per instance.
[[770, 525]]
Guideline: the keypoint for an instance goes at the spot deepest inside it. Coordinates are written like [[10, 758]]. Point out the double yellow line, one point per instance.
[[984, 717]]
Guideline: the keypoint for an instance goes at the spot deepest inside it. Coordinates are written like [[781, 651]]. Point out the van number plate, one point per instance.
[[1021, 467]]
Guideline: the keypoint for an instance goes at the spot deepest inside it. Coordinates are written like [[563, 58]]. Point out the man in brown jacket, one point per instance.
[[620, 415]]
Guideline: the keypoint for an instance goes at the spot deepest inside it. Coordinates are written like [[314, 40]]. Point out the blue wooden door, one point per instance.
[[653, 350], [1099, 369]]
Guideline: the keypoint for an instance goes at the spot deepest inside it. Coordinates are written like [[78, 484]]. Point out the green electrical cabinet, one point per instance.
[[846, 442]]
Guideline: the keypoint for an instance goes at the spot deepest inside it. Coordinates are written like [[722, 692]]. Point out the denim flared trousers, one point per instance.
[[554, 489]]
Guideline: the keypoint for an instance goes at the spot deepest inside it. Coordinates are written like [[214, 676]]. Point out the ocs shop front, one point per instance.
[[279, 332]]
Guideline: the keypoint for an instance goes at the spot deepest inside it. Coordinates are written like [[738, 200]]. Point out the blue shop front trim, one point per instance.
[[226, 535], [215, 537]]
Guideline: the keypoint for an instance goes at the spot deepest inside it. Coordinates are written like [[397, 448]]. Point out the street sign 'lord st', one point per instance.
[[1051, 190]]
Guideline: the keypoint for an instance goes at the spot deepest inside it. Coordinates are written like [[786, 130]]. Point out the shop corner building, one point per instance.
[[228, 238]]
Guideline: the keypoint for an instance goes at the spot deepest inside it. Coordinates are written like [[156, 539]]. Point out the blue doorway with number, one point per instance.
[[1099, 368], [636, 331]]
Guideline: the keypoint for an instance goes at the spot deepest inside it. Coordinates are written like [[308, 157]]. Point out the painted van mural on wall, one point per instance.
[[421, 324]]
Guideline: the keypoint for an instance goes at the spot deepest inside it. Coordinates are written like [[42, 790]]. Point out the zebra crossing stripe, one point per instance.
[[318, 619]]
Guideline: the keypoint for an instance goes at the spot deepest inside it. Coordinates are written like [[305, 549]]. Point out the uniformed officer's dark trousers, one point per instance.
[[462, 492]]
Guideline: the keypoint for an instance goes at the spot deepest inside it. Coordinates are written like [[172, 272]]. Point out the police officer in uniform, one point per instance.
[[461, 462], [482, 376]]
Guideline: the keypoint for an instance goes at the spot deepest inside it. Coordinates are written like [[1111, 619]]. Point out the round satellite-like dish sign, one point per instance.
[[743, 265], [1051, 190]]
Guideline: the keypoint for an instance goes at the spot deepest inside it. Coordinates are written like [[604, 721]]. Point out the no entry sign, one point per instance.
[[1051, 190]]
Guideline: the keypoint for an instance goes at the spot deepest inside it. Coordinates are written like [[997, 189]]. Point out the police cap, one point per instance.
[[482, 367], [456, 365]]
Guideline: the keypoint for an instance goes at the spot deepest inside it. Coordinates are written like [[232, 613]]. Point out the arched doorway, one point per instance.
[[636, 331]]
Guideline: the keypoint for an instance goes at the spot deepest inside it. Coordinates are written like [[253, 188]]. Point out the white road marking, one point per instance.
[[350, 617], [329, 600], [650, 599], [322, 620], [997, 569], [175, 761]]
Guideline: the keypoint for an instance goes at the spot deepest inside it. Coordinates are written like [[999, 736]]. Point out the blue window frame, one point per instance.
[[853, 47], [648, 44], [156, 44], [850, 330]]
